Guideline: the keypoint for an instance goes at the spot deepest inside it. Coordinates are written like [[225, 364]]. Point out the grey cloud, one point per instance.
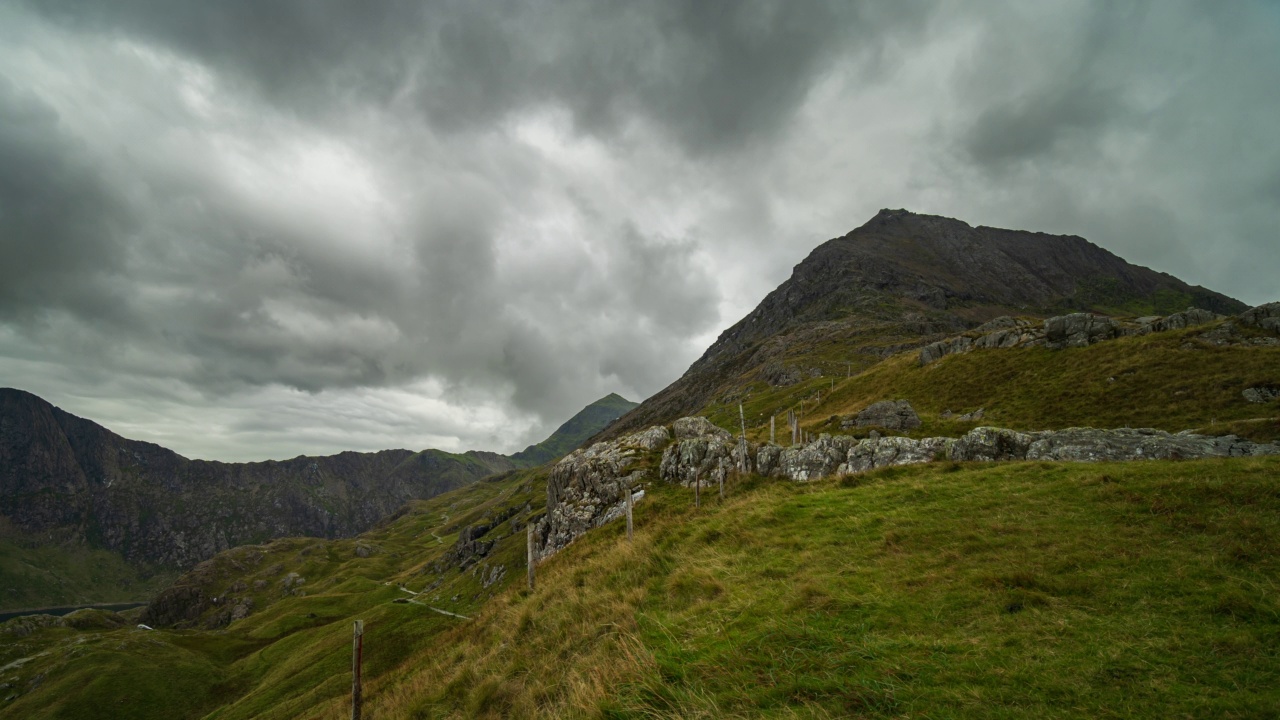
[[715, 75], [455, 223], [59, 219]]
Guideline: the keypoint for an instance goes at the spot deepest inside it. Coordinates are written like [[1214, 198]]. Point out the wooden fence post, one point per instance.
[[772, 418], [532, 560], [629, 491], [357, 652]]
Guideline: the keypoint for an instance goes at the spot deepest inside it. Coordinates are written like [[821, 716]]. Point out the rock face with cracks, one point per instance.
[[586, 488]]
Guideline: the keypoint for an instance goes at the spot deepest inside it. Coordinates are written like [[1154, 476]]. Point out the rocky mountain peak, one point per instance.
[[903, 280]]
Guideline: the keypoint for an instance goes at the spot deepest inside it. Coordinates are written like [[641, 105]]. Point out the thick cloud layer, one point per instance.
[[251, 230]]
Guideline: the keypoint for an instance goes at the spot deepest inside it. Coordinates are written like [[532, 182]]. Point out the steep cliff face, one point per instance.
[[155, 507], [905, 280]]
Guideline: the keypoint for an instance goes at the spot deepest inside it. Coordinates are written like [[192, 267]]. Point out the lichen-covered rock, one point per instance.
[[1261, 393], [888, 414], [815, 460], [1078, 330], [586, 488], [708, 460], [653, 438], [887, 451], [1265, 316], [767, 459], [699, 427], [1187, 318], [988, 443], [1093, 445]]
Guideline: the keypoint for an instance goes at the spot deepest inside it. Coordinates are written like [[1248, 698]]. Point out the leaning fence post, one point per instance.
[[532, 559], [357, 651]]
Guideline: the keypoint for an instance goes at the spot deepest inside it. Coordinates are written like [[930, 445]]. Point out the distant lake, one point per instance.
[[116, 607]]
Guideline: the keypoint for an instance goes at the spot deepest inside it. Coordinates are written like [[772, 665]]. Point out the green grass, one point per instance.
[[1165, 380], [946, 590], [68, 574], [1140, 589]]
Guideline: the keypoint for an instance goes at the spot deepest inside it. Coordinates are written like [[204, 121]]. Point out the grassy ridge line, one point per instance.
[[1014, 590], [1146, 381]]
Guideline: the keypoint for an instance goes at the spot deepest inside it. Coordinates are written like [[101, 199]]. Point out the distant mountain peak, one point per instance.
[[576, 430]]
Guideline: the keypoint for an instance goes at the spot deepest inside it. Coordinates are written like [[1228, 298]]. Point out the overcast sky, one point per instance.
[[250, 230]]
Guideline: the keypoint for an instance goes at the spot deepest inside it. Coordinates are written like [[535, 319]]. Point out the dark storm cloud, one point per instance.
[[250, 229], [58, 215], [715, 75]]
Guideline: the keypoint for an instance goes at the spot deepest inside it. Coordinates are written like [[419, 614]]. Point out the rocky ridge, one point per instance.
[[1084, 329], [585, 490], [905, 280], [65, 479]]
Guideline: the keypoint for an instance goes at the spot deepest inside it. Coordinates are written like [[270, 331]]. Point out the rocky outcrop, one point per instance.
[[1265, 317], [1261, 393], [937, 350], [840, 454], [1185, 319], [1078, 330], [1064, 331], [887, 414], [699, 428], [1092, 445], [708, 460], [586, 488], [886, 451]]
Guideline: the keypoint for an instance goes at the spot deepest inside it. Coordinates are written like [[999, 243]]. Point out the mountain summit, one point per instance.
[[903, 280]]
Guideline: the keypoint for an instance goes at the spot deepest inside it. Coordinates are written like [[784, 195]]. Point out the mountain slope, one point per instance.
[[976, 590], [69, 486], [576, 430], [903, 280]]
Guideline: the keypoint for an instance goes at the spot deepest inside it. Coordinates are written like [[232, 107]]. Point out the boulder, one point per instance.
[[1265, 316], [936, 351], [818, 459], [1187, 318], [1261, 393], [653, 438], [704, 460], [988, 443], [768, 457], [1078, 330], [888, 414], [699, 427], [884, 452]]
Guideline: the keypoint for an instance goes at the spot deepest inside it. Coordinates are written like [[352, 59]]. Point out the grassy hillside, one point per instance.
[[1171, 380], [45, 575], [976, 590]]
